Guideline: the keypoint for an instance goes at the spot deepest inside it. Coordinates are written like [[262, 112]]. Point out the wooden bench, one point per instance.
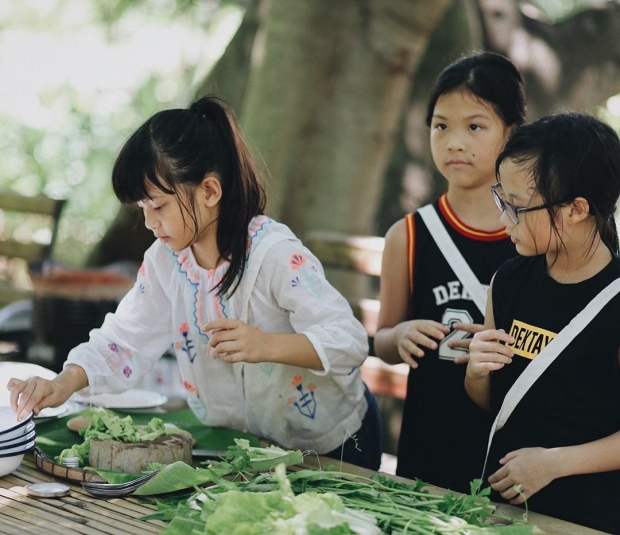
[[361, 255], [18, 257]]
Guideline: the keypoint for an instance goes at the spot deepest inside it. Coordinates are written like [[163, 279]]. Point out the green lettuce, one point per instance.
[[107, 425], [278, 512]]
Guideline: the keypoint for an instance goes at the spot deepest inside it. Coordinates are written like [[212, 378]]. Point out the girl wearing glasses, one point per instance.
[[427, 315], [559, 183]]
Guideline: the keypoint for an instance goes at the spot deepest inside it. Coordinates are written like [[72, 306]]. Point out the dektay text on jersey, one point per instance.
[[529, 339], [452, 291]]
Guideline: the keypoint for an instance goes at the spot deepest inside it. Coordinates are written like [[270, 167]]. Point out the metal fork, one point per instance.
[[114, 490]]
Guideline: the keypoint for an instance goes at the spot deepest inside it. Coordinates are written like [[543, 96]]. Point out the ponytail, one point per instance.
[[609, 234], [243, 194], [174, 151]]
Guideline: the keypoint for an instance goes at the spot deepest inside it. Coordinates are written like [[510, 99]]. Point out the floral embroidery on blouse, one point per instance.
[[306, 276], [304, 400], [187, 345], [117, 359]]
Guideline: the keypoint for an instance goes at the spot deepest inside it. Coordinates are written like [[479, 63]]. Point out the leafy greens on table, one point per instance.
[[53, 436], [313, 502]]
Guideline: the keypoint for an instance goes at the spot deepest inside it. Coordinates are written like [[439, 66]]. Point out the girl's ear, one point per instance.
[[579, 210], [210, 191]]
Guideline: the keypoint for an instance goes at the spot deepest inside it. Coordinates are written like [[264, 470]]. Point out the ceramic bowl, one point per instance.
[[22, 439], [16, 450], [25, 430], [10, 463], [9, 426]]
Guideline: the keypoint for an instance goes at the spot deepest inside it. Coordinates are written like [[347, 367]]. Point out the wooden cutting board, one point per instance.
[[134, 457]]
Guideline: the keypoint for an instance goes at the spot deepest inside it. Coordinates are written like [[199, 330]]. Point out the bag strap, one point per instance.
[[544, 359], [454, 257]]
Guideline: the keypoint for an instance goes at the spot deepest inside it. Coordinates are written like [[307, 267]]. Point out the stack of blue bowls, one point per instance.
[[16, 438]]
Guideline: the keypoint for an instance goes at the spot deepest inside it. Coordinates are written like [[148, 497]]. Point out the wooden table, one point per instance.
[[76, 513], [80, 512]]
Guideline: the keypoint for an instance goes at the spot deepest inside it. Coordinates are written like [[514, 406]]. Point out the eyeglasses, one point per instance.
[[511, 210]]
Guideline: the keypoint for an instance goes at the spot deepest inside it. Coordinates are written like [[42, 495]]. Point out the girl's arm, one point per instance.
[[396, 339], [601, 455], [393, 294], [526, 471], [117, 354], [136, 335], [295, 317], [36, 393], [487, 353], [235, 341]]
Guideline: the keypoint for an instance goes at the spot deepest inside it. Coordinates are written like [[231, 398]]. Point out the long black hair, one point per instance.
[[571, 155], [490, 77], [174, 151]]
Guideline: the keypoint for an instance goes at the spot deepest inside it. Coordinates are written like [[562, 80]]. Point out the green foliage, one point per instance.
[[558, 10], [63, 128]]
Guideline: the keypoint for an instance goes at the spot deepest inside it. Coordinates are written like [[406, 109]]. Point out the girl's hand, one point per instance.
[[35, 394], [464, 343], [487, 353], [235, 341], [410, 336], [523, 474]]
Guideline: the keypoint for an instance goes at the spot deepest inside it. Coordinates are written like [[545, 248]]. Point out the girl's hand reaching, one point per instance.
[[411, 336], [487, 353], [524, 473], [235, 341], [36, 393]]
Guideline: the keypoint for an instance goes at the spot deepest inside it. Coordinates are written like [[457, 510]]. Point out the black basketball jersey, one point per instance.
[[443, 434], [576, 400]]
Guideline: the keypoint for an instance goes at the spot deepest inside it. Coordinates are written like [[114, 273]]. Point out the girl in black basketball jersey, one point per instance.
[[558, 188], [427, 312]]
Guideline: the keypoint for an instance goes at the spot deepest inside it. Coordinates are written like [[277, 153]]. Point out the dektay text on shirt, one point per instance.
[[529, 339], [452, 291]]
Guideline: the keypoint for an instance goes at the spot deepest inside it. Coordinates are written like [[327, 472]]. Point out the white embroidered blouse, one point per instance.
[[283, 290]]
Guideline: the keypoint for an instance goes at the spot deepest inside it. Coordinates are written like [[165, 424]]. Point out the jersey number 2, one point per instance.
[[449, 318]]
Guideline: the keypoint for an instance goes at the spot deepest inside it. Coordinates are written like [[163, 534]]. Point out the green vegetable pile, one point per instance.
[[314, 502], [107, 425]]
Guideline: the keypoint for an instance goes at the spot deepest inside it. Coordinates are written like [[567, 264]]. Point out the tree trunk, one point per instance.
[[411, 179], [321, 88], [326, 92], [229, 78], [571, 65]]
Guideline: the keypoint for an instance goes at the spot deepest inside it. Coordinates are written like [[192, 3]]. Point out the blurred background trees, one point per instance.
[[330, 94]]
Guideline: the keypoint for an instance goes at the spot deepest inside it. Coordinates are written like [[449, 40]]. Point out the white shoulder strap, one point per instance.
[[542, 361], [454, 257]]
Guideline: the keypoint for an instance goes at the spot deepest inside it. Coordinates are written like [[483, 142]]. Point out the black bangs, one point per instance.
[[138, 168]]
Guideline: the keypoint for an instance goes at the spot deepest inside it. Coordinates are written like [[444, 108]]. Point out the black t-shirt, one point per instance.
[[576, 400], [444, 434]]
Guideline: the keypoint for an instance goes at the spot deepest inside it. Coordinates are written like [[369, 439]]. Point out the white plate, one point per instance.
[[53, 412], [130, 399], [66, 409]]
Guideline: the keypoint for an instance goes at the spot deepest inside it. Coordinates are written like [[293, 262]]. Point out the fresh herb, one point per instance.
[[241, 460], [244, 503], [275, 511]]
